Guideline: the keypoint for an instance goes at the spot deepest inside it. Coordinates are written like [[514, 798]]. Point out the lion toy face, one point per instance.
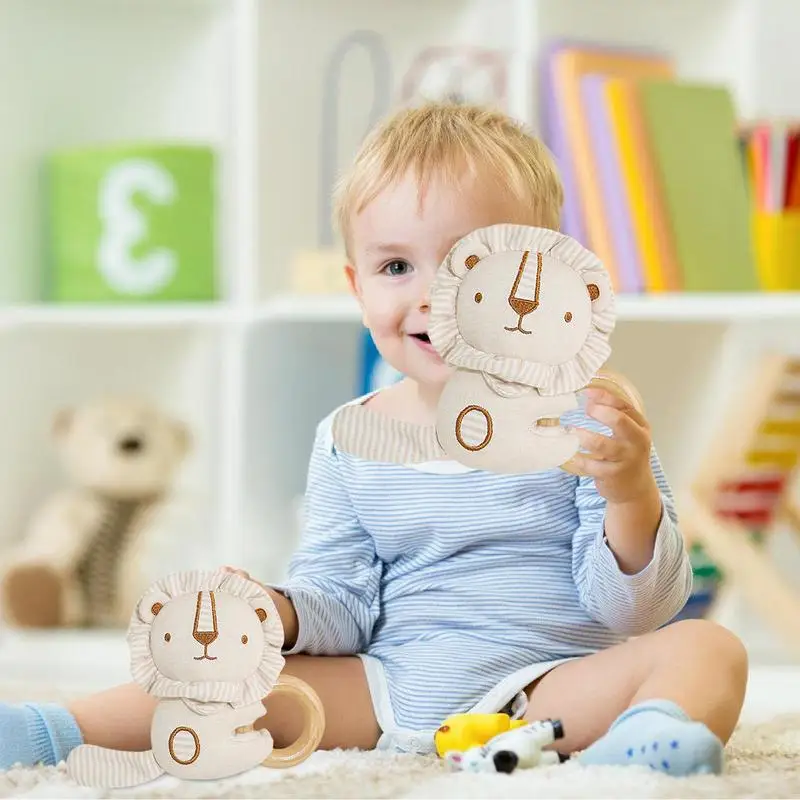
[[546, 326], [523, 305], [206, 637], [213, 636]]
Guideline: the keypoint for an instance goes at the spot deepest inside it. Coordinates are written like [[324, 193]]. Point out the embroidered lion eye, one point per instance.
[[167, 637], [568, 316], [478, 297], [244, 638]]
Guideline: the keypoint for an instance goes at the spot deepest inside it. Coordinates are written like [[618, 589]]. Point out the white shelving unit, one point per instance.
[[285, 89]]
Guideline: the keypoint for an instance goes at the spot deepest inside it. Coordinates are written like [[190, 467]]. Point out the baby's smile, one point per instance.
[[423, 341]]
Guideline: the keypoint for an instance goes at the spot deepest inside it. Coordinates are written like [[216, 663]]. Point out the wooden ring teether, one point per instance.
[[313, 723]]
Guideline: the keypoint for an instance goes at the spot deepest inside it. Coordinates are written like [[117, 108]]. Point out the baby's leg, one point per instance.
[[691, 671], [120, 718], [46, 733]]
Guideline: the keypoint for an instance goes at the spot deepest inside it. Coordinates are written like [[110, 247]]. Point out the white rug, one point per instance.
[[763, 760]]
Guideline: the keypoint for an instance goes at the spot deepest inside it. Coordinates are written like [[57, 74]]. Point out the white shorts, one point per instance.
[[508, 697]]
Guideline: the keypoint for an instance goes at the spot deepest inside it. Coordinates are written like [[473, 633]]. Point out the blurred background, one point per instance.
[[173, 317]]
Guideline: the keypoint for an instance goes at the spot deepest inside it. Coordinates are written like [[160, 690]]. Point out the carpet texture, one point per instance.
[[763, 760]]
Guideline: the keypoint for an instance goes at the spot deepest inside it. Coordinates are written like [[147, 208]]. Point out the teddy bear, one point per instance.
[[523, 316], [75, 565], [207, 645]]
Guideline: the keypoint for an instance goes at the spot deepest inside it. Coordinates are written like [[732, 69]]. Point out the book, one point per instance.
[[650, 223], [692, 128], [570, 64], [608, 156]]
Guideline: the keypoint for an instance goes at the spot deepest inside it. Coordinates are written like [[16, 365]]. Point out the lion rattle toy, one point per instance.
[[208, 645], [523, 315]]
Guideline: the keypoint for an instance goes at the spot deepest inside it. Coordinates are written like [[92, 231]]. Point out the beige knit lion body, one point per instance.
[[523, 316], [189, 743], [502, 433]]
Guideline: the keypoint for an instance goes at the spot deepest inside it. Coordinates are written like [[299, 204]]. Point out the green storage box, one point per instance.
[[132, 224]]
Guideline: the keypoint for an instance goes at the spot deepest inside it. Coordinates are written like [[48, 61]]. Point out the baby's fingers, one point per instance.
[[599, 446], [240, 572], [592, 467]]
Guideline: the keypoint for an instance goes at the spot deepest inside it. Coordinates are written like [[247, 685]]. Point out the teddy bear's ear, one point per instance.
[[598, 284], [62, 421], [150, 605]]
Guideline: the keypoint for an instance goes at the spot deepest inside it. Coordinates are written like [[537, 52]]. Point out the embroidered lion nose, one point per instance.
[[205, 621], [205, 637], [522, 306]]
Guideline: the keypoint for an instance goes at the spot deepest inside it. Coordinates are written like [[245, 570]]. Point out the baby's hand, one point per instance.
[[240, 572], [620, 463], [285, 606]]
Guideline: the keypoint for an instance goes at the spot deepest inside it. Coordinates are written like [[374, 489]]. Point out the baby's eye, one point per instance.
[[397, 268]]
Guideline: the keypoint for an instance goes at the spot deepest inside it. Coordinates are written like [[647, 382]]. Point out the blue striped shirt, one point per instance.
[[454, 578]]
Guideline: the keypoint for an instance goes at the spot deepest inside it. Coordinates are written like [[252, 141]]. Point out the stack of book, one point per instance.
[[654, 175]]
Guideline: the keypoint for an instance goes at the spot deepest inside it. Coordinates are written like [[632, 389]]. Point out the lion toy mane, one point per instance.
[[208, 646], [523, 316]]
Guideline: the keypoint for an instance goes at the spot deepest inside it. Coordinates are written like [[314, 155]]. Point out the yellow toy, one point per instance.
[[464, 731]]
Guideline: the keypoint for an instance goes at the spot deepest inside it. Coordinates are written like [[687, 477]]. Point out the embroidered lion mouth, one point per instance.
[[205, 657]]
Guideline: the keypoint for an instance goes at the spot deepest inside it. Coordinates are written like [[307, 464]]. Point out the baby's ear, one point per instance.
[[598, 284], [150, 605]]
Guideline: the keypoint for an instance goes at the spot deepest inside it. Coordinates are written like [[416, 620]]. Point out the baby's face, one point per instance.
[[398, 245]]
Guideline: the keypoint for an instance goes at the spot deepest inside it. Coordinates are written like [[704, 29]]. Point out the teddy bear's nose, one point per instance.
[[131, 444]]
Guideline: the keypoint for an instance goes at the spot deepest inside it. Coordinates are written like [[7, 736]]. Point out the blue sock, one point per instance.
[[658, 734], [33, 734]]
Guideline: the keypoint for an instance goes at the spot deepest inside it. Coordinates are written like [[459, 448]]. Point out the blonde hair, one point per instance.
[[445, 139]]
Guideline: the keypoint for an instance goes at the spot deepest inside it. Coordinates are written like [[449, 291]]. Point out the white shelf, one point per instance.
[[114, 316], [655, 308], [298, 308], [310, 308], [689, 307]]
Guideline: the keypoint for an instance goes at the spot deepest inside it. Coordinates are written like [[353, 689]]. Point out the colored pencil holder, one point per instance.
[[131, 224], [776, 238]]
